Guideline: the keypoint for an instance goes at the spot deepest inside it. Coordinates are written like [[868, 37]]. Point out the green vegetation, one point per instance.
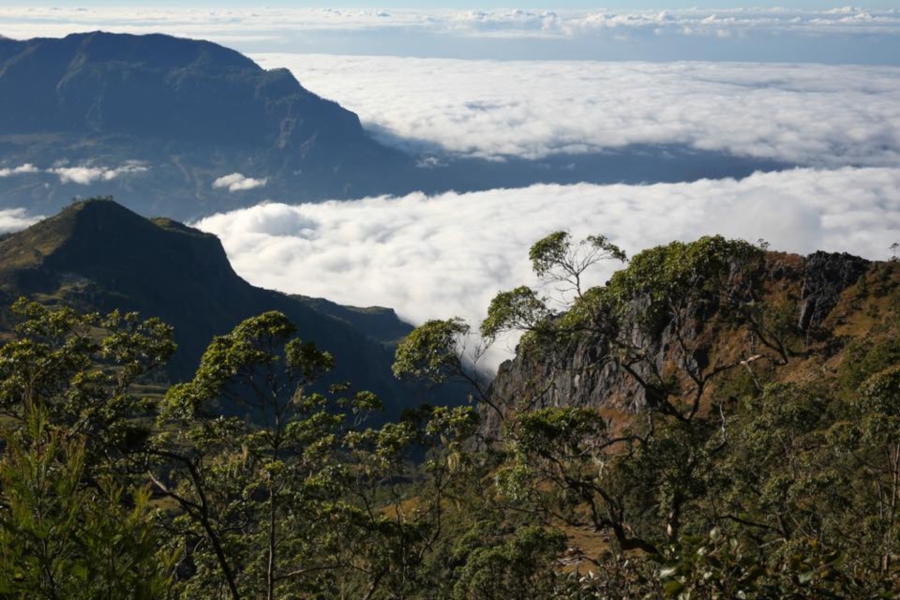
[[673, 433], [731, 453]]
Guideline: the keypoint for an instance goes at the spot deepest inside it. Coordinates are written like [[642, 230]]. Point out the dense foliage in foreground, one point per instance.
[[737, 474]]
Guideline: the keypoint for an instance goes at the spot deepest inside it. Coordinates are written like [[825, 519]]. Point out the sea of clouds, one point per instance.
[[813, 115], [448, 255], [443, 256]]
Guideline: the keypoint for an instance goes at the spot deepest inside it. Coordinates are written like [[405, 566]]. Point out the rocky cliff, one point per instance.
[[795, 321]]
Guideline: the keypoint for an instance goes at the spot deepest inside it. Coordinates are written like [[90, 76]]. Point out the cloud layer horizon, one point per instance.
[[448, 255], [870, 36]]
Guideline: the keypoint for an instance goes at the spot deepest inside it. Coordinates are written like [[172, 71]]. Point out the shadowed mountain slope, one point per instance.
[[185, 113], [98, 255]]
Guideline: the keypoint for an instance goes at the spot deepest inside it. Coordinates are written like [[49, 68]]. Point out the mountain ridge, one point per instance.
[[188, 128], [99, 255], [183, 114]]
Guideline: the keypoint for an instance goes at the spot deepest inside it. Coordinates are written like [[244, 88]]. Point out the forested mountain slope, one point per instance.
[[718, 419], [97, 255]]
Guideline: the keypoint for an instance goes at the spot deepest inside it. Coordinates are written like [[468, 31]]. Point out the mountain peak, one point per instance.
[[188, 111], [156, 86], [153, 250], [157, 51], [97, 255], [104, 214], [100, 209], [101, 241]]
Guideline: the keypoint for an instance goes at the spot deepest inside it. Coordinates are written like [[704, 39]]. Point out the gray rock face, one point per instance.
[[582, 375], [827, 275]]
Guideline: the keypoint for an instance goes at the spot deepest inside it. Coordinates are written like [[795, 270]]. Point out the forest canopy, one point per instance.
[[677, 432]]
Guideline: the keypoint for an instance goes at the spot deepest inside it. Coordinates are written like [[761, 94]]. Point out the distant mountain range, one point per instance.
[[187, 128], [98, 255], [161, 119]]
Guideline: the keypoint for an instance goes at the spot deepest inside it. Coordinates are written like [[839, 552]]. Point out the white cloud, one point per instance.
[[15, 219], [426, 32], [86, 175], [498, 22], [812, 115], [27, 168], [436, 257], [81, 174], [236, 182]]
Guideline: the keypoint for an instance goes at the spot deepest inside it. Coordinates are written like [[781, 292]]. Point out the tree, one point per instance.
[[61, 538], [558, 263], [259, 490], [869, 445], [406, 515], [74, 522], [519, 567], [436, 351], [78, 371], [650, 330]]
